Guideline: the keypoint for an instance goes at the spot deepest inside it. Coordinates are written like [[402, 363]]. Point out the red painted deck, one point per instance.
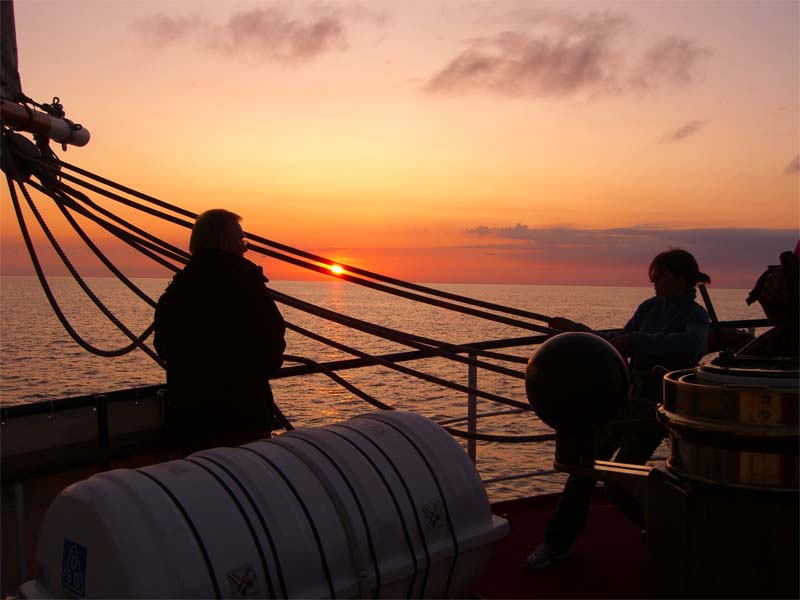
[[608, 561]]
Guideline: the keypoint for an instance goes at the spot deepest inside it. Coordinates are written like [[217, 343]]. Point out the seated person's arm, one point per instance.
[[564, 324], [690, 342]]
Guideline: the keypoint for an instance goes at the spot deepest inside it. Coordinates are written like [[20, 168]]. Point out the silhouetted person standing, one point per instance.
[[222, 338]]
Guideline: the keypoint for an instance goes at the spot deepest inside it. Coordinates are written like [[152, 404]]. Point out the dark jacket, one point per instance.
[[665, 332], [222, 338], [670, 332]]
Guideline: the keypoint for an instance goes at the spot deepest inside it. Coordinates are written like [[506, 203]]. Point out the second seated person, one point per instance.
[[669, 330]]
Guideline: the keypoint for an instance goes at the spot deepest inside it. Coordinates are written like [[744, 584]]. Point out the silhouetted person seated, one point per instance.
[[669, 330], [222, 338]]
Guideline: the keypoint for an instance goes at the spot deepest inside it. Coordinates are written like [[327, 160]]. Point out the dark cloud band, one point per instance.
[[715, 248]]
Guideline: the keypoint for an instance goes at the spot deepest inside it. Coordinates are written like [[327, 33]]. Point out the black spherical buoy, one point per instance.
[[576, 382]]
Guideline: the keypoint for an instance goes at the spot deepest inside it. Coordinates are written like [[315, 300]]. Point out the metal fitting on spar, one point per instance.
[[61, 130]]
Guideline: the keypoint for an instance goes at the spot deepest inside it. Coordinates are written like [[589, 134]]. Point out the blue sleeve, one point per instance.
[[632, 325], [635, 322], [606, 335], [691, 342]]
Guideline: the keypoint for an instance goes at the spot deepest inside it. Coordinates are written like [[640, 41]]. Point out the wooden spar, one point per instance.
[[59, 130]]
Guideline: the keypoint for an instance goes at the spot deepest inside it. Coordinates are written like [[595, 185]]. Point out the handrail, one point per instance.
[[107, 448], [48, 406]]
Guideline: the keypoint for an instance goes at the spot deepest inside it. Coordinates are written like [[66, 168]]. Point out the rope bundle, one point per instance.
[[52, 175]]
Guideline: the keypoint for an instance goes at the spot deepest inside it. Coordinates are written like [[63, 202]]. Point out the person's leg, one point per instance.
[[569, 518], [636, 449]]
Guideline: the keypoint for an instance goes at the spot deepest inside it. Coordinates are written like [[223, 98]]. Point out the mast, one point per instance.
[[10, 85]]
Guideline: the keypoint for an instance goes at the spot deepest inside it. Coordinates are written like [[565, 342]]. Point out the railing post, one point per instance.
[[19, 510], [101, 408], [472, 408]]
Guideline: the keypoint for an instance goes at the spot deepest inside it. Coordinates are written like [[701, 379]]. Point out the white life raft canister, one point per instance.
[[384, 505]]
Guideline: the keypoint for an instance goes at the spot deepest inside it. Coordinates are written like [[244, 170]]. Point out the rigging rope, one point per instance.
[[365, 326], [391, 365], [132, 240], [50, 171], [484, 437], [374, 329], [137, 342], [428, 345], [169, 250], [407, 370], [323, 268], [338, 379], [395, 335], [103, 258], [317, 258], [69, 199]]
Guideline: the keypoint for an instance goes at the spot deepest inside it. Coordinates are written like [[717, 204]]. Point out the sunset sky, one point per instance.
[[518, 142]]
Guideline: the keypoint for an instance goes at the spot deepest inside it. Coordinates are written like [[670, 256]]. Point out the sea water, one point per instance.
[[40, 362]]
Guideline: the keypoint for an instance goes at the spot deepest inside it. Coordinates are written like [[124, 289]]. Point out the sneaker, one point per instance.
[[543, 556]]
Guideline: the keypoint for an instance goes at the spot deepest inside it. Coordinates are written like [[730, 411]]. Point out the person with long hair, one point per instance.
[[668, 331]]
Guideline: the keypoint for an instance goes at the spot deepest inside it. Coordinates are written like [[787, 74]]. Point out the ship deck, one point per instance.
[[608, 561]]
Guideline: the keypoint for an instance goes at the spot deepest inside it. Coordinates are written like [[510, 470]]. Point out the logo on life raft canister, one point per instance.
[[73, 569], [432, 513], [243, 582]]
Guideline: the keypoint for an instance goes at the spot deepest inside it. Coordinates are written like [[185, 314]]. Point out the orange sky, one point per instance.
[[558, 142]]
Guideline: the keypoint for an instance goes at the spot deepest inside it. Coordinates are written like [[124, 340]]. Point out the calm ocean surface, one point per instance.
[[41, 362]]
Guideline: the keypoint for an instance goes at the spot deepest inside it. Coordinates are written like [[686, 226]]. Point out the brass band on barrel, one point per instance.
[[708, 464], [734, 404], [745, 436]]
